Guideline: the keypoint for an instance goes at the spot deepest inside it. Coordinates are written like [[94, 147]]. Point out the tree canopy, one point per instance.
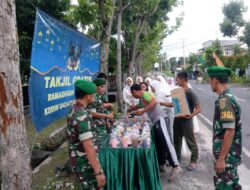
[[25, 15], [144, 26], [233, 24]]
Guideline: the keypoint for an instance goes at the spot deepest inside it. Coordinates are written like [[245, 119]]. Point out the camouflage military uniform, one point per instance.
[[79, 128], [227, 110], [110, 123], [105, 98], [97, 107]]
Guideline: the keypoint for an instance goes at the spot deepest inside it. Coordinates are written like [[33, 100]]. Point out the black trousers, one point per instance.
[[164, 147]]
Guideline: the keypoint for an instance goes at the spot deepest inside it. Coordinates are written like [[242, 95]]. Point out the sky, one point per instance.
[[200, 24]]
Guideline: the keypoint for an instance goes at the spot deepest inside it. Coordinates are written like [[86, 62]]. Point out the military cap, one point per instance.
[[85, 86], [217, 71], [99, 81]]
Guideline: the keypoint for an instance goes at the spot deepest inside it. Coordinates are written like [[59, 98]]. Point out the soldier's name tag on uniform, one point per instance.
[[227, 115]]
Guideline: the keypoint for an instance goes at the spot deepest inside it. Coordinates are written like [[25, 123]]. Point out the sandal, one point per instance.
[[192, 167], [177, 171]]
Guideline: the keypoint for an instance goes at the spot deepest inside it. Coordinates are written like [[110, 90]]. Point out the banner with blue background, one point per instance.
[[60, 55]]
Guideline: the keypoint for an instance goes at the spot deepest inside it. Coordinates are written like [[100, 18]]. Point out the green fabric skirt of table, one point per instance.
[[130, 168]]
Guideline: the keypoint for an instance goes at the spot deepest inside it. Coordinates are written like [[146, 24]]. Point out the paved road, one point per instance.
[[202, 178], [207, 99]]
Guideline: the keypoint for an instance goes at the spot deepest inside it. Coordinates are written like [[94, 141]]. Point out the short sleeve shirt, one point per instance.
[[97, 107], [227, 115], [156, 112], [192, 101], [105, 98], [80, 127]]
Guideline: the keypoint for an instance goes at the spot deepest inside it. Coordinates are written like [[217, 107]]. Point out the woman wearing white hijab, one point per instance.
[[162, 94], [164, 85], [148, 81], [171, 83], [155, 84], [139, 80], [128, 99]]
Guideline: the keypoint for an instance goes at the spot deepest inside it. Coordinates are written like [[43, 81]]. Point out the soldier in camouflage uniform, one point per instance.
[[108, 107], [83, 150], [105, 96], [227, 135], [98, 111]]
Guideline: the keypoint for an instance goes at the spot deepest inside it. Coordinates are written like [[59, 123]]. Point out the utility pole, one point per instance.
[[167, 62], [183, 47]]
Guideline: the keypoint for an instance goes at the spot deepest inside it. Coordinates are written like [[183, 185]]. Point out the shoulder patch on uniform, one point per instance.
[[222, 103]]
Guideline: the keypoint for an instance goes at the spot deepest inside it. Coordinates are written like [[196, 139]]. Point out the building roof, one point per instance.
[[223, 43]]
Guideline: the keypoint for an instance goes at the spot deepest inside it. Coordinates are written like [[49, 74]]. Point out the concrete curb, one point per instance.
[[47, 160]]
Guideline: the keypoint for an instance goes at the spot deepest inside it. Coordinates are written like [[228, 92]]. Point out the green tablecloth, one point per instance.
[[130, 168]]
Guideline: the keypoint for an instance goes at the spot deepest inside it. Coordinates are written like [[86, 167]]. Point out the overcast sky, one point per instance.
[[201, 23]]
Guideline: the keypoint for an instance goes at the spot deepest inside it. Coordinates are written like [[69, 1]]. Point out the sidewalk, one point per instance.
[[202, 178]]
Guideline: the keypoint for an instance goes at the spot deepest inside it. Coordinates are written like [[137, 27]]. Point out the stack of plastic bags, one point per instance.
[[131, 132]]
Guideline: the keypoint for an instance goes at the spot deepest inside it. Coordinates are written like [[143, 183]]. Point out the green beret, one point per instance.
[[99, 81], [217, 71], [85, 86]]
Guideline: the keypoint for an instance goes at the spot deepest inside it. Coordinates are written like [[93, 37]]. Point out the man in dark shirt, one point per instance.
[[183, 125]]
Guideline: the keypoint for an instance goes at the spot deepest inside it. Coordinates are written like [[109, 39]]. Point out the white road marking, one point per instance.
[[206, 119], [201, 89], [241, 100], [247, 152]]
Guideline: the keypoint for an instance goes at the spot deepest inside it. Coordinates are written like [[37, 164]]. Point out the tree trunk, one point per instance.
[[131, 64], [140, 67], [105, 46], [107, 22], [138, 64], [119, 56], [14, 151]]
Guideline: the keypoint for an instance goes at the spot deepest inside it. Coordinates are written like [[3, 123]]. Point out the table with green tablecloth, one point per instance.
[[130, 168]]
